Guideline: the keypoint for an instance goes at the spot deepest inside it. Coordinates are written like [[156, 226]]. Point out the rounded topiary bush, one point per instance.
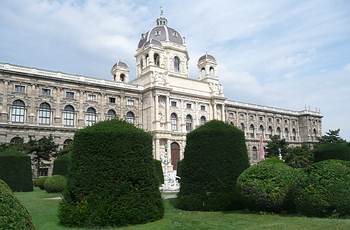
[[324, 189], [215, 155], [112, 180], [266, 186], [39, 182], [61, 165], [337, 151], [13, 215], [15, 170], [56, 183]]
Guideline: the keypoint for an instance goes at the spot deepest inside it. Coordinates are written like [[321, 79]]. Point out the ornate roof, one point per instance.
[[207, 57]]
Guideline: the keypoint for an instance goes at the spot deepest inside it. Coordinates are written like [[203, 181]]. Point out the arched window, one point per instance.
[[66, 143], [203, 120], [18, 111], [177, 64], [269, 132], [203, 72], [252, 131], [189, 123], [294, 135], [17, 141], [44, 114], [156, 59], [211, 71], [90, 116], [122, 77], [314, 134], [286, 134], [261, 130], [242, 127], [173, 119], [254, 153], [278, 132], [111, 114], [130, 117], [68, 116], [147, 59]]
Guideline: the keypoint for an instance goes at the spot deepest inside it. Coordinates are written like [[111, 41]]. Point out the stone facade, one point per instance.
[[162, 100]]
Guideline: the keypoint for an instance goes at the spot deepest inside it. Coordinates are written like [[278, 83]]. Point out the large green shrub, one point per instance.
[[298, 157], [56, 183], [15, 170], [339, 151], [39, 182], [112, 180], [324, 189], [61, 165], [215, 155], [13, 215], [266, 186], [158, 171]]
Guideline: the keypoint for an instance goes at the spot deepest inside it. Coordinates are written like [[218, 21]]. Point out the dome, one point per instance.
[[207, 57], [161, 33], [120, 64]]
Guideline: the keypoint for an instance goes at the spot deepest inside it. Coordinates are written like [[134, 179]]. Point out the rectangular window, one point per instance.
[[261, 118], [91, 97], [69, 95], [46, 92], [203, 107], [130, 102], [68, 118], [188, 106], [20, 88], [173, 104], [112, 100]]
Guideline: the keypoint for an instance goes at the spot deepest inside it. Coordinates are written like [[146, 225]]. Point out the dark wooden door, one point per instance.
[[175, 154]]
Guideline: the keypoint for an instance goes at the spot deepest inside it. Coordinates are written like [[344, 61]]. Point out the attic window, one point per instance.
[[175, 34], [157, 33]]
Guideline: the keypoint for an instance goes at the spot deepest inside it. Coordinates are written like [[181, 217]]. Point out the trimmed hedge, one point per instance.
[[62, 164], [215, 155], [112, 180], [324, 190], [266, 186], [158, 171], [56, 183], [39, 182], [338, 151], [15, 170], [13, 215]]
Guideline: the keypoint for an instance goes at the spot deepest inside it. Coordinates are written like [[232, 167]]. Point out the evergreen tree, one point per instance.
[[276, 146], [332, 136]]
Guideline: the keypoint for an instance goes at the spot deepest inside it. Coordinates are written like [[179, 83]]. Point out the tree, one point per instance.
[[298, 157], [276, 146], [40, 150], [332, 136]]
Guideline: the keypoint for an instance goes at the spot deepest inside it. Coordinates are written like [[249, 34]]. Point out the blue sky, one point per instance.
[[278, 53]]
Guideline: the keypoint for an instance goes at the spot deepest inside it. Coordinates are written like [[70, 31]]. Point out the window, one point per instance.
[[46, 92], [270, 119], [211, 71], [278, 121], [251, 118], [173, 119], [130, 102], [294, 135], [111, 114], [189, 123], [278, 132], [18, 111], [157, 33], [188, 106], [252, 131], [202, 107], [203, 120], [43, 172], [66, 143], [122, 77], [68, 116], [230, 115], [17, 140], [286, 134], [91, 97], [44, 114], [175, 34], [130, 117], [69, 95], [285, 121], [90, 116], [173, 104], [112, 100], [261, 130], [261, 118], [241, 115], [254, 153], [156, 59], [19, 88], [203, 72], [177, 64], [293, 122], [242, 127], [269, 132]]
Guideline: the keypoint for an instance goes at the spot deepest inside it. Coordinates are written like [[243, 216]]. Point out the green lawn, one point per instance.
[[44, 214]]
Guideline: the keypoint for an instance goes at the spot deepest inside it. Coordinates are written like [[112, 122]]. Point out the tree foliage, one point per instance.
[[332, 137], [275, 146], [298, 157]]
